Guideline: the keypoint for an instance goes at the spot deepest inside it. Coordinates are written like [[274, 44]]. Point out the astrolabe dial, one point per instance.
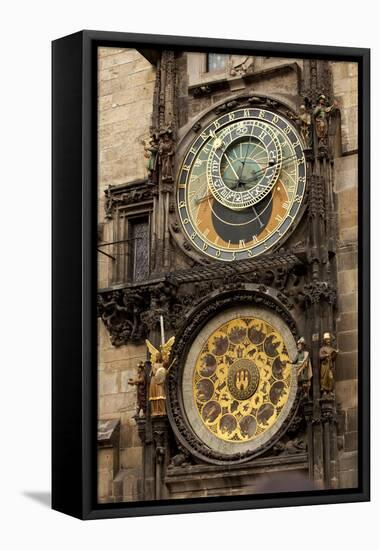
[[244, 163], [242, 380], [241, 185]]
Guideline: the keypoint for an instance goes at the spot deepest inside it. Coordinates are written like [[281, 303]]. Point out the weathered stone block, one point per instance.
[[346, 394], [347, 321], [348, 479], [348, 302], [131, 457], [347, 257], [348, 281], [348, 461], [351, 441], [348, 341], [347, 366], [108, 383], [104, 485], [105, 459], [116, 403], [341, 421], [352, 419]]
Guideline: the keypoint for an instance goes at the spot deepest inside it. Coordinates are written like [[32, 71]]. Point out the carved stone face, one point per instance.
[[327, 341]]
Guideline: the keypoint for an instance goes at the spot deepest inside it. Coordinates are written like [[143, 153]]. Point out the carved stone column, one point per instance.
[[141, 427], [145, 433], [160, 427], [329, 417], [164, 125], [308, 415]]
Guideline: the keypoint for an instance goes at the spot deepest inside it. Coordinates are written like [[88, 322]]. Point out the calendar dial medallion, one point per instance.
[[241, 184], [239, 387]]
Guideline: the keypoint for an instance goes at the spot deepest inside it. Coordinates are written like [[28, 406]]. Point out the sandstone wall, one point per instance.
[[345, 85], [125, 99], [125, 102]]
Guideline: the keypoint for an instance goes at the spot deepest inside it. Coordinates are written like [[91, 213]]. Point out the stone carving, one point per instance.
[[290, 447], [321, 114], [317, 196], [140, 382], [316, 291], [201, 90], [328, 408], [134, 192], [241, 65], [180, 459], [129, 314], [316, 79], [121, 314], [328, 356], [303, 367], [225, 107]]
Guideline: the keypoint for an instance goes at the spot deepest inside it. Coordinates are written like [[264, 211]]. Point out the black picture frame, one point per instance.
[[74, 362]]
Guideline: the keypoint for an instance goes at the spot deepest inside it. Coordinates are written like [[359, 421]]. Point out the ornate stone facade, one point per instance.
[[151, 108]]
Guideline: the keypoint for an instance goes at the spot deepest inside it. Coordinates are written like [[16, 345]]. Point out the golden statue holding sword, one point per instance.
[[159, 368]]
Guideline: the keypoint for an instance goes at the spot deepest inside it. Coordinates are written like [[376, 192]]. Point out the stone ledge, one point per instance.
[[108, 432], [258, 466]]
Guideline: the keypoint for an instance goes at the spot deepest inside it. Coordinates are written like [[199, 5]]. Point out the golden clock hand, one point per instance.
[[244, 160], [257, 216], [231, 166], [250, 180], [261, 171], [284, 161], [203, 198]]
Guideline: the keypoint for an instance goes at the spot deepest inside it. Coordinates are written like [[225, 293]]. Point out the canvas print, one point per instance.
[[227, 274]]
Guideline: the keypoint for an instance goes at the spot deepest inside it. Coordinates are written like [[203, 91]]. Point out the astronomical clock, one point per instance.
[[241, 184], [239, 192], [239, 267]]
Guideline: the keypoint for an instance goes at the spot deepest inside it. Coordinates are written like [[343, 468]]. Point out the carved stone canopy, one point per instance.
[[131, 312]]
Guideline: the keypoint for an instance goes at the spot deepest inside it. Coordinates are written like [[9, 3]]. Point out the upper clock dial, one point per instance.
[[241, 184], [244, 163]]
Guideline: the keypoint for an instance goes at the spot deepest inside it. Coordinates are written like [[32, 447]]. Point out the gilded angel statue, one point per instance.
[[159, 368]]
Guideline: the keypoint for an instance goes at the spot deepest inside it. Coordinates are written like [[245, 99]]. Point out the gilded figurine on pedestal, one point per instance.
[[140, 383], [303, 367], [321, 115], [159, 367], [328, 356]]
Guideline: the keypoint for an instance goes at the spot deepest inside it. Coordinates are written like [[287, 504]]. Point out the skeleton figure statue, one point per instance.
[[304, 367], [159, 368]]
